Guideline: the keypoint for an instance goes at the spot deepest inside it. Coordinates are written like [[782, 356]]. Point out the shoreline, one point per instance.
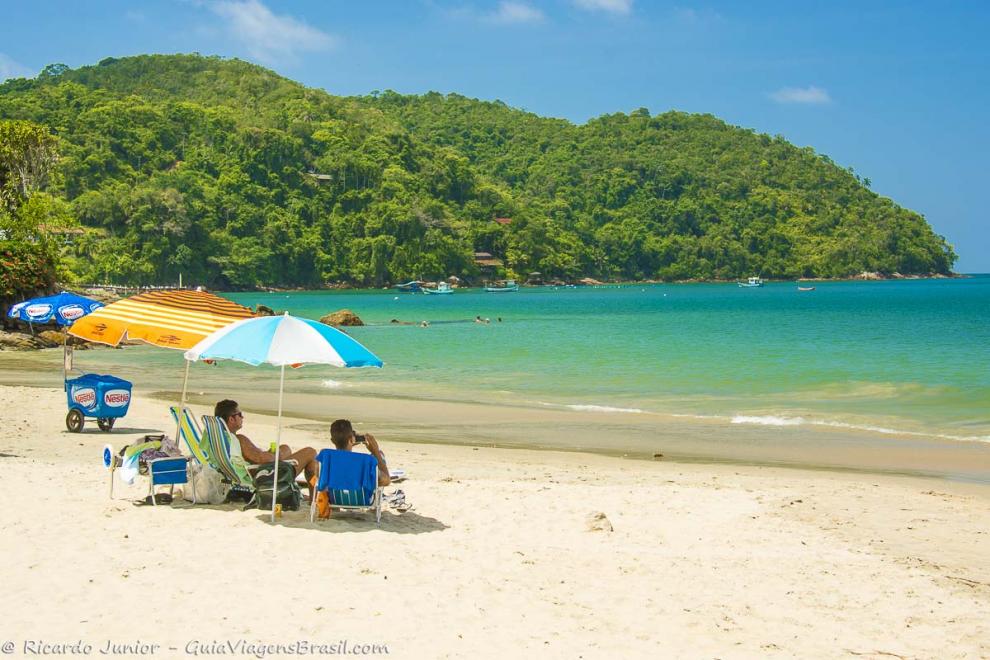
[[349, 286], [678, 437], [679, 440]]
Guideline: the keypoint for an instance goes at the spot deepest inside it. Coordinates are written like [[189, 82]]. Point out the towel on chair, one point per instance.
[[345, 470]]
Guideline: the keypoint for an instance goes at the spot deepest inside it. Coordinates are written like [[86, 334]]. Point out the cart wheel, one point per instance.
[[74, 421], [105, 423]]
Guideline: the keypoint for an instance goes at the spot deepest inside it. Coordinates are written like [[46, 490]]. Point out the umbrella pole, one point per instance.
[[185, 381], [278, 440], [182, 407]]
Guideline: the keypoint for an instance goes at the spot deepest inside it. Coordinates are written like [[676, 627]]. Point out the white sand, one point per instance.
[[496, 558]]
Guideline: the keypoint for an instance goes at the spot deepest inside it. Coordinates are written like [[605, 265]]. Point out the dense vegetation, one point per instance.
[[28, 216], [205, 166]]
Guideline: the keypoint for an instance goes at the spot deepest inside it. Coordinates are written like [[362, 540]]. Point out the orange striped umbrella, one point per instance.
[[171, 319]]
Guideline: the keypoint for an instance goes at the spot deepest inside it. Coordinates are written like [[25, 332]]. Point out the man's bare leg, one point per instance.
[[306, 460]]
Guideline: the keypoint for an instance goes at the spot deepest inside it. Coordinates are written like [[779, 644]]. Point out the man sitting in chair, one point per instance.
[[305, 458], [344, 438]]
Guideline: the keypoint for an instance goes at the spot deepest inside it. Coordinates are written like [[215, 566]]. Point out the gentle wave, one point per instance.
[[768, 420], [775, 420], [332, 384], [594, 408]]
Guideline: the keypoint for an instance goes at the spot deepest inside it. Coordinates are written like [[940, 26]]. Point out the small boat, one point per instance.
[[806, 288], [503, 286], [442, 288], [751, 283], [411, 287]]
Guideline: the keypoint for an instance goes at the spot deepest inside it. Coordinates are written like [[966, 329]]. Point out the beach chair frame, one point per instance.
[[167, 471], [375, 504]]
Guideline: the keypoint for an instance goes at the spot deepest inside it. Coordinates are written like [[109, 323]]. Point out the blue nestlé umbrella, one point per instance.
[[280, 341], [64, 308]]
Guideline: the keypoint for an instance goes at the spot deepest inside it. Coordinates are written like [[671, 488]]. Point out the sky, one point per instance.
[[899, 91]]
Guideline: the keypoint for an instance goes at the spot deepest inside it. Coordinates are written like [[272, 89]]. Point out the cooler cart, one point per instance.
[[103, 398]]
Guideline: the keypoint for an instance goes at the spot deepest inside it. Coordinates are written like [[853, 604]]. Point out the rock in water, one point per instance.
[[342, 317], [598, 522], [264, 310]]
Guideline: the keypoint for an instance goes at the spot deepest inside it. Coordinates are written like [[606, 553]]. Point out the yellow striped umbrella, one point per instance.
[[173, 318], [176, 319]]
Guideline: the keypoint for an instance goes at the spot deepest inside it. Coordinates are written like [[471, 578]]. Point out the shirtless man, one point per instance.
[[305, 458]]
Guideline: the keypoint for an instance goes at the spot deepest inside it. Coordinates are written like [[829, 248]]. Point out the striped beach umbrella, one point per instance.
[[170, 318], [283, 341]]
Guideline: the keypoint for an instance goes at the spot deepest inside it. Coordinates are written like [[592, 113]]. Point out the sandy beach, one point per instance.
[[498, 556]]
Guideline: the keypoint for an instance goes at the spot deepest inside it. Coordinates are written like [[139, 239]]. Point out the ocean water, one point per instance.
[[901, 361], [898, 357]]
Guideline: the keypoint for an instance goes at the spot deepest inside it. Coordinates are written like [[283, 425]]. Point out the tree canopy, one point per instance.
[[237, 177]]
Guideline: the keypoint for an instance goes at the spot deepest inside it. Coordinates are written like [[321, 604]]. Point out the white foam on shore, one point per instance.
[[768, 420], [588, 407], [607, 409], [775, 420], [332, 384]]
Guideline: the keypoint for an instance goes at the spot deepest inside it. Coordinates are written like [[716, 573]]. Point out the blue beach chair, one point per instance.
[[351, 480], [166, 472]]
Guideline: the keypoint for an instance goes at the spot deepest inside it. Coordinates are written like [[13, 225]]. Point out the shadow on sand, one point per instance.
[[409, 522]]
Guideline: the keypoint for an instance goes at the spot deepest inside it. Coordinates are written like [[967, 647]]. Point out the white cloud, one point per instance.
[[269, 37], [515, 12], [12, 69], [809, 95], [612, 6]]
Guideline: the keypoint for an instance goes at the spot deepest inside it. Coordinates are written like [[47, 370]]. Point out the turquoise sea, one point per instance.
[[897, 361], [901, 356]]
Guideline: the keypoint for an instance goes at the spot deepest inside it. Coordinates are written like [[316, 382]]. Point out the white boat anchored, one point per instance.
[[442, 289], [752, 282], [503, 286]]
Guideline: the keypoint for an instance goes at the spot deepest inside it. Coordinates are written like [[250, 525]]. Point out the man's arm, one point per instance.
[[251, 453], [383, 478]]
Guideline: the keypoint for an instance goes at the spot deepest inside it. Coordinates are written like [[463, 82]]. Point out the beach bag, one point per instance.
[[209, 485], [289, 495]]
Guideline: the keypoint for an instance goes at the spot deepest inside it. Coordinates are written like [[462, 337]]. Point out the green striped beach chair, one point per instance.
[[189, 431], [224, 451]]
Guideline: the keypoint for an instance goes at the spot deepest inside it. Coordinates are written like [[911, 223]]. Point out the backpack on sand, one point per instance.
[[289, 495]]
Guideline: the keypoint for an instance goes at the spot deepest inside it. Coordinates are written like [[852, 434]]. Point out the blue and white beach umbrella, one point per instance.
[[283, 340], [280, 341], [64, 308]]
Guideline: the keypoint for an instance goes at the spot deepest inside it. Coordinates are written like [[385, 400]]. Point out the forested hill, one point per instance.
[[238, 177]]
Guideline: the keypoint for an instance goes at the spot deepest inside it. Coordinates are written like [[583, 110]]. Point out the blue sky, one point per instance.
[[900, 91]]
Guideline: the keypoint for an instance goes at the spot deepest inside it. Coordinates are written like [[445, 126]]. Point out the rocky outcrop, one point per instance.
[[342, 317], [16, 341], [264, 310], [51, 338]]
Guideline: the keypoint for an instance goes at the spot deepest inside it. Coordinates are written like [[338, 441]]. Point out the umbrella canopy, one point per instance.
[[283, 340], [280, 341], [170, 319], [64, 308]]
